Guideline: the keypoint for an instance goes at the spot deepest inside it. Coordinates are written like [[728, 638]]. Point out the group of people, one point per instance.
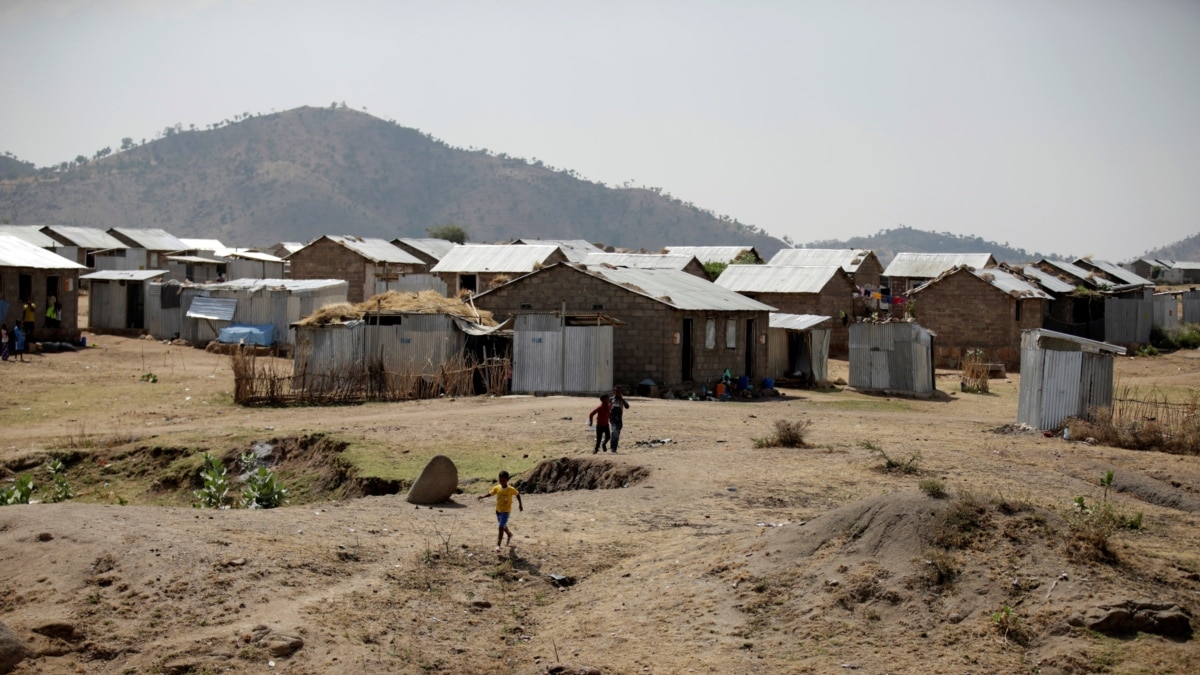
[[15, 342], [610, 418]]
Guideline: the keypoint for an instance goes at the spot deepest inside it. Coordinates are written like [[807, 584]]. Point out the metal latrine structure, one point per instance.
[[891, 357], [1166, 311], [571, 354], [1191, 307], [384, 357], [275, 302], [1063, 376], [118, 299], [1128, 320], [798, 346]]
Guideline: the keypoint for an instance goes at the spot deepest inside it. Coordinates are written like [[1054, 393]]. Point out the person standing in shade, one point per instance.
[[18, 341], [28, 314], [52, 313], [616, 417]]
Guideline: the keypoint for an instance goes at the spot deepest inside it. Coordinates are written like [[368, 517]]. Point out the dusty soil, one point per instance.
[[709, 555]]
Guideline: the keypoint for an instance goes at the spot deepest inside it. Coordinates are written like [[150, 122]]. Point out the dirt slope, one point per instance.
[[722, 558]]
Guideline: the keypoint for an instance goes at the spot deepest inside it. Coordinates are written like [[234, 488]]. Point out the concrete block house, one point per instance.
[[81, 244], [360, 261], [428, 249], [909, 270], [984, 309], [824, 291], [678, 329], [29, 271]]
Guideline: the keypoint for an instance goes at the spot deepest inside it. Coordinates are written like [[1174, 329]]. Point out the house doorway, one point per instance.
[[750, 341], [135, 305], [685, 343]]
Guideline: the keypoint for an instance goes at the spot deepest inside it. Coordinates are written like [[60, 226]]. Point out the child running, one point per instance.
[[601, 415], [504, 496]]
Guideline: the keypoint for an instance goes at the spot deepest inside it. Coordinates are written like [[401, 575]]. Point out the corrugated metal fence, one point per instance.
[[891, 357], [566, 359], [1128, 320]]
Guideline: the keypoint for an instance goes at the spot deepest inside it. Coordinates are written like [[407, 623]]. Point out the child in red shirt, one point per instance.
[[601, 414]]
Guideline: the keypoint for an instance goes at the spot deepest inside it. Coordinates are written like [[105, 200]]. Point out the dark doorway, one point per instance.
[[135, 305], [685, 341], [25, 287], [467, 282], [751, 340], [52, 288]]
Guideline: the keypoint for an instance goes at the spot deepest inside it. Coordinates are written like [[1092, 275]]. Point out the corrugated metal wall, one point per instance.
[[106, 304], [1058, 384], [817, 343], [134, 259], [242, 268], [1191, 307], [1128, 320], [575, 360], [1166, 312], [275, 306], [412, 283], [891, 357]]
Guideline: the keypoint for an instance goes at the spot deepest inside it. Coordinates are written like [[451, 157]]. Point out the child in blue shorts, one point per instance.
[[504, 498]]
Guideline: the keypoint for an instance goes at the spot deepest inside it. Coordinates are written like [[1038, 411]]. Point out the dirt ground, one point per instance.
[[724, 558]]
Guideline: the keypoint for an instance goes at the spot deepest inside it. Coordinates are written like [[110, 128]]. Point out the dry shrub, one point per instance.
[[974, 372], [1140, 421], [961, 524], [788, 434], [939, 568], [934, 487]]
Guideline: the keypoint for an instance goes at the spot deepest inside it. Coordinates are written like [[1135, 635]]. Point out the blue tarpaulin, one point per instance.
[[247, 334]]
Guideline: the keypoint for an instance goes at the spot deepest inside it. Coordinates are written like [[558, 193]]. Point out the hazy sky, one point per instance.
[[1064, 126]]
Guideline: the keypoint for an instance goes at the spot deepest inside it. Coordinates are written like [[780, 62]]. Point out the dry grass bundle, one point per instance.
[[974, 372], [425, 302], [1144, 422]]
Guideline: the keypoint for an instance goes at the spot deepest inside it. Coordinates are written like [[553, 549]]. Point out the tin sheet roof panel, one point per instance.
[[151, 239], [1122, 275], [214, 309], [575, 249], [645, 261], [930, 265], [30, 233], [377, 250], [797, 321], [1048, 281], [471, 258], [435, 248], [776, 279], [677, 289], [91, 238], [708, 254], [16, 252], [848, 259], [124, 275]]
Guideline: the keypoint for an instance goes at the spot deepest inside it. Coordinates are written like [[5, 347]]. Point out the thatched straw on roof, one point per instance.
[[394, 302]]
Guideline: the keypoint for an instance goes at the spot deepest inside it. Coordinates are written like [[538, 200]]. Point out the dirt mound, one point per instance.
[[1161, 491], [569, 473]]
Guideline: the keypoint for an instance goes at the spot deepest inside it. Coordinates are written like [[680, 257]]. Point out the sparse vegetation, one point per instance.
[[60, 488], [1144, 421], [787, 434], [1092, 526], [940, 567], [1007, 621], [263, 490], [20, 492], [961, 523], [894, 465], [214, 494], [934, 487]]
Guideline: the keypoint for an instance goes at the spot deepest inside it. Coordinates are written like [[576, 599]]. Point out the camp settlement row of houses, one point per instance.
[[669, 324]]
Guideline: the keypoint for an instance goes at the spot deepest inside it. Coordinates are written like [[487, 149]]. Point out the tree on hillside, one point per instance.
[[454, 233], [126, 143]]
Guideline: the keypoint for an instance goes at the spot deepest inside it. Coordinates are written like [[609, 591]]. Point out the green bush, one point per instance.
[[216, 484], [20, 493], [263, 491], [1188, 336]]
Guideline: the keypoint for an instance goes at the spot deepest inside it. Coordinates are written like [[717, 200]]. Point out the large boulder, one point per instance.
[[437, 482], [12, 650]]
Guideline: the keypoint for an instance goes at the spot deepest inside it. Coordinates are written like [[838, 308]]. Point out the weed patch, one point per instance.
[[961, 524], [787, 434]]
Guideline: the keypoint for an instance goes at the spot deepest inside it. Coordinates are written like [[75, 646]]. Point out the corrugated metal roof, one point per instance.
[[194, 259], [1009, 284], [151, 239], [1084, 276], [797, 321], [206, 245], [575, 249], [435, 248], [643, 261], [30, 233], [124, 275], [930, 265], [91, 238], [215, 309], [1036, 335], [677, 289], [776, 279], [1117, 272], [471, 258], [284, 284], [708, 254], [292, 246], [848, 259], [1183, 265], [1048, 281], [376, 250], [254, 255], [16, 252]]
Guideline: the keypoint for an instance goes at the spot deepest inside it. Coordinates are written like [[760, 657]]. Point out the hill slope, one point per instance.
[[1185, 249], [887, 243], [311, 171]]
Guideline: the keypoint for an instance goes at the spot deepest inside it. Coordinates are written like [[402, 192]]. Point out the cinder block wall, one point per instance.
[[324, 259], [645, 346], [967, 312], [836, 297]]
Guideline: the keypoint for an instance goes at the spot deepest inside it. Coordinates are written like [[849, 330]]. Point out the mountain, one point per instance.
[[887, 243], [12, 168], [1187, 250], [296, 175]]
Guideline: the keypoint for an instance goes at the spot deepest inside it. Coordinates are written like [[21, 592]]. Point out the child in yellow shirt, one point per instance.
[[504, 497]]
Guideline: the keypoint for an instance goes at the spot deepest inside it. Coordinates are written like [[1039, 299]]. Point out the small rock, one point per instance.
[[44, 536], [283, 645], [12, 650]]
